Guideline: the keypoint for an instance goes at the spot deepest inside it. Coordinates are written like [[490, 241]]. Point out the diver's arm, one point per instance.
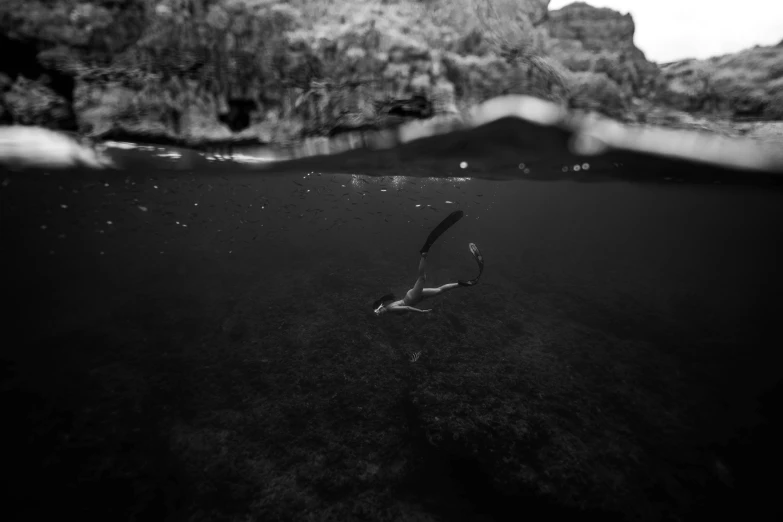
[[402, 309], [412, 309], [396, 308]]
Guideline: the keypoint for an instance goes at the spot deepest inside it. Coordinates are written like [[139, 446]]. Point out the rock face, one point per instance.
[[364, 67], [30, 92], [597, 28], [357, 67], [743, 85], [597, 44], [537, 11]]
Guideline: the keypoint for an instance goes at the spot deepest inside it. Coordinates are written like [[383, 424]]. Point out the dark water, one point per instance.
[[197, 344]]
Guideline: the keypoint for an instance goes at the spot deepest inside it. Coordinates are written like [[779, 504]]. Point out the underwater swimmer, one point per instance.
[[389, 303]]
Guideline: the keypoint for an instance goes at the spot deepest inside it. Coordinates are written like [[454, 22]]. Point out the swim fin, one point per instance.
[[440, 229], [479, 261]]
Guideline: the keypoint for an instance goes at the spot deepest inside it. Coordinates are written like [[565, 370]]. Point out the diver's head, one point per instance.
[[379, 306]]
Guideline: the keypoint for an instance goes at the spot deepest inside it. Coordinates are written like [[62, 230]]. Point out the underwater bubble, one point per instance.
[[463, 165], [565, 169], [585, 166], [577, 168]]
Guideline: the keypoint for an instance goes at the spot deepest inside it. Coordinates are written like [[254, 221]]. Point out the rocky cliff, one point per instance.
[[192, 71], [195, 70], [612, 75], [596, 45], [596, 28], [743, 85]]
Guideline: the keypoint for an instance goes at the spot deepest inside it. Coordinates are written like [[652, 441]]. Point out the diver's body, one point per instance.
[[419, 293]]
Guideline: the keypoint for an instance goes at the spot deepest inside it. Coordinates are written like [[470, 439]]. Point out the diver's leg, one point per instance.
[[429, 292], [423, 265], [414, 294]]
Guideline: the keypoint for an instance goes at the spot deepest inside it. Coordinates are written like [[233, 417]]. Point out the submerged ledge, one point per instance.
[[545, 137], [508, 137]]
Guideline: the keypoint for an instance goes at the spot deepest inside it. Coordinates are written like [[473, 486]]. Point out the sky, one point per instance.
[[669, 30]]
